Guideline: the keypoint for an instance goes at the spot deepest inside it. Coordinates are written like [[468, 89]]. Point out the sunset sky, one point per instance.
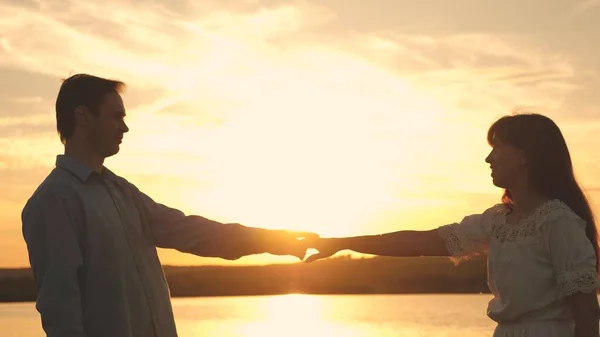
[[342, 117]]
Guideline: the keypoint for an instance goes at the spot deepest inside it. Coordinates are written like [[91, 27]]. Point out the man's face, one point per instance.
[[106, 131]]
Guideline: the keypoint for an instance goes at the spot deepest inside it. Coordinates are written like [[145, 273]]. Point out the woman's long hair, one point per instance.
[[550, 167]]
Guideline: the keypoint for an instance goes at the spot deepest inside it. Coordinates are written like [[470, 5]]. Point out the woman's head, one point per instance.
[[530, 149]]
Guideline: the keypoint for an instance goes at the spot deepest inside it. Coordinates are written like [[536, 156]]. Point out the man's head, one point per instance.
[[90, 114]]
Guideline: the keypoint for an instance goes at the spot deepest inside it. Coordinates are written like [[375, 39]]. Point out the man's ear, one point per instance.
[[82, 115]]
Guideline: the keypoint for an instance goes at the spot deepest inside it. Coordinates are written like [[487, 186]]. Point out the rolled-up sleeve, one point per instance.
[[194, 234], [56, 261]]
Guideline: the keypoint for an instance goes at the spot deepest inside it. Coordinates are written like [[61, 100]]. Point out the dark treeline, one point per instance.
[[341, 275]]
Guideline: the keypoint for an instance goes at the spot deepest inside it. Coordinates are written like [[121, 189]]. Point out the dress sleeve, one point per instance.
[[471, 236], [571, 253]]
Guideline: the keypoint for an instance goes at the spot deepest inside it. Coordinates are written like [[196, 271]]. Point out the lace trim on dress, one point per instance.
[[456, 248], [451, 240], [528, 226], [578, 281]]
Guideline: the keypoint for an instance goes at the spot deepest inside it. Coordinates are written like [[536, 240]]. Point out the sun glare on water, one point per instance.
[[295, 316]]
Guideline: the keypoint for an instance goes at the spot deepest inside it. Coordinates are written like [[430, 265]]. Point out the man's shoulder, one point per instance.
[[58, 183], [54, 195], [121, 181]]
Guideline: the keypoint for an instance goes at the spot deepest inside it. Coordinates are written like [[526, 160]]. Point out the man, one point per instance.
[[92, 236]]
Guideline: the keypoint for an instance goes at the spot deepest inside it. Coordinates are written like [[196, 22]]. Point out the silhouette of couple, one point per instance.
[[92, 236]]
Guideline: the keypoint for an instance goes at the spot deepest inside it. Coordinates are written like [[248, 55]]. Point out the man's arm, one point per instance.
[[200, 236], [399, 244], [56, 262]]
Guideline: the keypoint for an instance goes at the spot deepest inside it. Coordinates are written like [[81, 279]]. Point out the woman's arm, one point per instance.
[[460, 240], [584, 307], [399, 244], [573, 259]]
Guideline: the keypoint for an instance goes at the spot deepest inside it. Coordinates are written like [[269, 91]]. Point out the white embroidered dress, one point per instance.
[[532, 266]]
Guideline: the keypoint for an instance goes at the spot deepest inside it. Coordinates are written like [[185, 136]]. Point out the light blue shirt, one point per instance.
[[92, 241]]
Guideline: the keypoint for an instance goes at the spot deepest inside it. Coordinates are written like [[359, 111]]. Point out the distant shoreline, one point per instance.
[[336, 276]]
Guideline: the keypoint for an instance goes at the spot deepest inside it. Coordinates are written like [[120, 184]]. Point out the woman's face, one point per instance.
[[508, 164]]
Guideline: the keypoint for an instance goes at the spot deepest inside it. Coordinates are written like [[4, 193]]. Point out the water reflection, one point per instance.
[[305, 315], [296, 316]]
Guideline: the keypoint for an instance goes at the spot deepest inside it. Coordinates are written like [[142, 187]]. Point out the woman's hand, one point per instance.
[[326, 248]]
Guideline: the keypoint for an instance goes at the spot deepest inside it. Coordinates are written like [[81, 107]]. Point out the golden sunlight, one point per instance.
[[296, 316], [328, 163], [267, 118]]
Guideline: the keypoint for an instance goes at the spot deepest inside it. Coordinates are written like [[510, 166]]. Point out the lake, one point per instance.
[[305, 315]]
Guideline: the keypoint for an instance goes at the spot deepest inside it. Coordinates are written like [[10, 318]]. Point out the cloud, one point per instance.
[[214, 66], [149, 41], [199, 52], [207, 63], [18, 127], [583, 6]]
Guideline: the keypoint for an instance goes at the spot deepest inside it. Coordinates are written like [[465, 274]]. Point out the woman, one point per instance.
[[541, 241]]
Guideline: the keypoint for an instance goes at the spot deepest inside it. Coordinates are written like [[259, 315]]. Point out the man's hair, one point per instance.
[[85, 90]]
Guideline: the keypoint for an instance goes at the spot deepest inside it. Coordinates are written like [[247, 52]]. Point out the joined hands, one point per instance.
[[297, 243], [326, 248]]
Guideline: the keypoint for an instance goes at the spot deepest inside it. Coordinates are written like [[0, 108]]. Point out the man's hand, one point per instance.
[[282, 242], [326, 248]]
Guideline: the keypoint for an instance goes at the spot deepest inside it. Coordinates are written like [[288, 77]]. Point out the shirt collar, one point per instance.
[[80, 170], [74, 166]]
